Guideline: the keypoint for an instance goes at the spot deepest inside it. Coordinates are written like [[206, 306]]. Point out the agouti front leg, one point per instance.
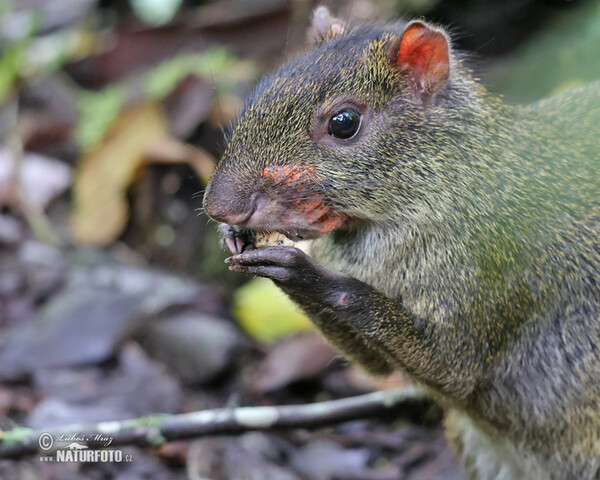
[[319, 292], [366, 325]]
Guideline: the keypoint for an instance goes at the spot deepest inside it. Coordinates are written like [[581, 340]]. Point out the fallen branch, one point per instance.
[[159, 429]]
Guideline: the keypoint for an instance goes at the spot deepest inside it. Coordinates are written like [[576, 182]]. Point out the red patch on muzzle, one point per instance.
[[309, 206]]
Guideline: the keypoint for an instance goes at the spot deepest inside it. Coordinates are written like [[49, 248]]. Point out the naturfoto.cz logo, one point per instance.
[[74, 448]]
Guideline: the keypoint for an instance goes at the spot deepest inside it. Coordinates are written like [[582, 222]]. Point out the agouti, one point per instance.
[[455, 237]]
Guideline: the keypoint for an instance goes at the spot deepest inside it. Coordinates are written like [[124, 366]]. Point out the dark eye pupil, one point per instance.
[[344, 124]]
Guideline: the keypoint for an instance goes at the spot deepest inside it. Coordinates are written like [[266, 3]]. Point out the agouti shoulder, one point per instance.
[[455, 237]]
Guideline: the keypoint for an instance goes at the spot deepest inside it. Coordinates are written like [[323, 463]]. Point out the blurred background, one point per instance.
[[114, 299]]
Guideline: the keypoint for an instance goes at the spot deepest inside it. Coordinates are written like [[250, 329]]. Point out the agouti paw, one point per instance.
[[282, 264], [299, 275], [235, 239]]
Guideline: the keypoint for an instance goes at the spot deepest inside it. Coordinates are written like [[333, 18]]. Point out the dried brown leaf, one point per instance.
[[100, 210]]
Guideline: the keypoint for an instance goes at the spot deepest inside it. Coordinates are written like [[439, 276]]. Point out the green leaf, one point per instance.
[[5, 7], [10, 65], [266, 313], [164, 78], [155, 12], [98, 112]]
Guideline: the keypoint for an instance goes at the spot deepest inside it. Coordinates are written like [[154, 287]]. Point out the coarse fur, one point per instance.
[[474, 260]]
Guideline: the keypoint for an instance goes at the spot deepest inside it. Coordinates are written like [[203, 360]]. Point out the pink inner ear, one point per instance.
[[424, 57]]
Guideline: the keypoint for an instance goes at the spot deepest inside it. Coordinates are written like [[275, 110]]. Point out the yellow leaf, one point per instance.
[[266, 313], [104, 173]]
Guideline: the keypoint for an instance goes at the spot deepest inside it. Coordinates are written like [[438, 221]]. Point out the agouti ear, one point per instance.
[[324, 27], [423, 57]]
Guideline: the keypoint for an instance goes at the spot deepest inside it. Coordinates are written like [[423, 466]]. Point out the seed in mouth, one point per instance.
[[264, 239]]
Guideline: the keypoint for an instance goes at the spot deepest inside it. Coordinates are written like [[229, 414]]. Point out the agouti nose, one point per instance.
[[227, 213], [228, 207], [232, 218]]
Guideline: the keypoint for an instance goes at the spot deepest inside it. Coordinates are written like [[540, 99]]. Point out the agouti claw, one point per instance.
[[239, 244], [284, 265], [235, 239], [231, 245]]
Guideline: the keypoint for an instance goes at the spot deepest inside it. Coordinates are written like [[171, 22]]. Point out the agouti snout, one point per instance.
[[284, 198]]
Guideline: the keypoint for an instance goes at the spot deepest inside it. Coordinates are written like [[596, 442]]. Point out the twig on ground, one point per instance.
[[159, 429]]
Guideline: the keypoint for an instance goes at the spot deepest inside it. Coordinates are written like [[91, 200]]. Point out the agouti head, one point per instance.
[[348, 132]]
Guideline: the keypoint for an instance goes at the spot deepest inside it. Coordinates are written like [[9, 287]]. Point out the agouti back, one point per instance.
[[457, 237]]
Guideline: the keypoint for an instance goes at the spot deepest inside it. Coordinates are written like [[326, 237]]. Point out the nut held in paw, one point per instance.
[[264, 239]]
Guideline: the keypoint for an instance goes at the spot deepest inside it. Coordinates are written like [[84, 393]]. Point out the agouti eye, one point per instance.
[[344, 124]]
